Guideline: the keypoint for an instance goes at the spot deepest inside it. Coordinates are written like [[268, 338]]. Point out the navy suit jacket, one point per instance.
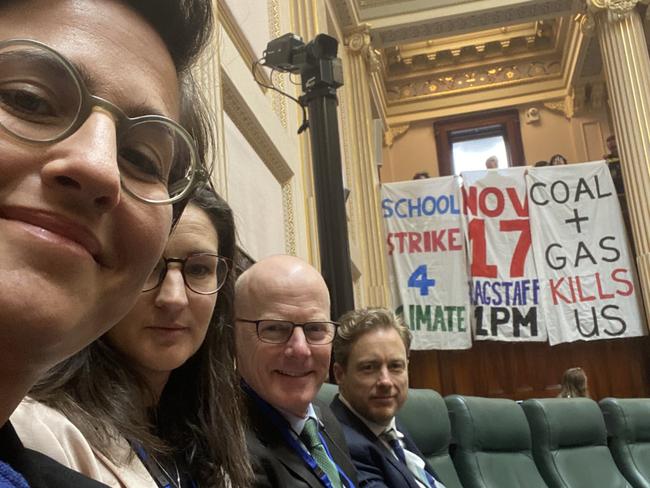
[[376, 464], [276, 464]]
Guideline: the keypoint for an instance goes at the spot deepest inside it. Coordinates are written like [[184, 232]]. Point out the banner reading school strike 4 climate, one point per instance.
[[426, 256]]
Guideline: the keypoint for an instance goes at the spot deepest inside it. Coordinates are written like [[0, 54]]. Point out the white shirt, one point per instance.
[[414, 463]]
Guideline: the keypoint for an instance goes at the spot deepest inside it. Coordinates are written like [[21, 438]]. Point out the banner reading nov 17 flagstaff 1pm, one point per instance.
[[504, 289], [426, 257]]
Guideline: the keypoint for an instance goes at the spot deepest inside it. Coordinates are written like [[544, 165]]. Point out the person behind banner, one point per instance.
[[283, 338], [371, 357], [574, 384], [492, 162], [557, 160]]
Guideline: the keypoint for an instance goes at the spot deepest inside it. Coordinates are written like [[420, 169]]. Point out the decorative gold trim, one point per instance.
[[289, 221], [620, 8], [565, 107], [394, 132], [279, 101], [359, 42]]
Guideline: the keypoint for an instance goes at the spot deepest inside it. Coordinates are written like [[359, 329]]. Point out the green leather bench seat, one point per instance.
[[425, 416], [628, 430], [493, 443], [570, 444]]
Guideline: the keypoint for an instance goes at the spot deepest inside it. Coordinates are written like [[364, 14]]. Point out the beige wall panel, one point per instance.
[[252, 16], [592, 138], [255, 196], [412, 152], [551, 135]]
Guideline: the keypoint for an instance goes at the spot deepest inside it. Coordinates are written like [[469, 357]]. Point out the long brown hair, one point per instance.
[[198, 419], [574, 384]]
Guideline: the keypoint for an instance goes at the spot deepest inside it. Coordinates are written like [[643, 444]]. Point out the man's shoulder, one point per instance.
[[43, 471], [39, 470]]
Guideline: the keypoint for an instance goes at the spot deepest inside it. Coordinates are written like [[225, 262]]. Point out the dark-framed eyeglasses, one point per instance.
[[277, 331], [204, 273], [43, 100]]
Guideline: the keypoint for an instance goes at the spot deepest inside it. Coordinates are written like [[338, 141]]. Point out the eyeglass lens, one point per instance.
[[42, 99], [203, 273], [279, 331]]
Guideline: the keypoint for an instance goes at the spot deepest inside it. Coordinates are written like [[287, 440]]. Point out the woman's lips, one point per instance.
[[56, 227]]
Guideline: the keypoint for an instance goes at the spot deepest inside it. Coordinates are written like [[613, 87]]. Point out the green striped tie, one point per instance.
[[309, 436]]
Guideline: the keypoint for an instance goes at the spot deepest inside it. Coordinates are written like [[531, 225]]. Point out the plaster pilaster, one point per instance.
[[627, 69], [361, 60]]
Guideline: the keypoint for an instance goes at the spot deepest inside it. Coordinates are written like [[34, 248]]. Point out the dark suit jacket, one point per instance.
[[376, 465], [276, 464], [39, 470]]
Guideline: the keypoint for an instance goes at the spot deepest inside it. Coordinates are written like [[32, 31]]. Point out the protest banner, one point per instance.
[[588, 283], [426, 257], [504, 289]]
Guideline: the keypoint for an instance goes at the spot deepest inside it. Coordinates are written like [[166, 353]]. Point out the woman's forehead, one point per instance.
[[123, 57]]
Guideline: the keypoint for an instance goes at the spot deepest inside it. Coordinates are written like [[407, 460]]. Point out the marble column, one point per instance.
[[361, 61], [627, 69]]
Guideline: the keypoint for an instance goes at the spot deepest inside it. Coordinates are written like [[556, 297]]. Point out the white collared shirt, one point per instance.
[[412, 459]]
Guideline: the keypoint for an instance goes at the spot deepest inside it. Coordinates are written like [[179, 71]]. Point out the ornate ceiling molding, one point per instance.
[[493, 76], [619, 8], [438, 26]]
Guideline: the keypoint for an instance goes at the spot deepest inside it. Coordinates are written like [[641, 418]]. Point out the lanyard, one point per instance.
[[161, 479], [285, 430]]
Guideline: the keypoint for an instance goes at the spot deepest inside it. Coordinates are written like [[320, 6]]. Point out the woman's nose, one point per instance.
[[172, 293], [84, 165]]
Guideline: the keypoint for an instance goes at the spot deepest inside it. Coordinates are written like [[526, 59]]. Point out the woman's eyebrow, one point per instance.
[[94, 84]]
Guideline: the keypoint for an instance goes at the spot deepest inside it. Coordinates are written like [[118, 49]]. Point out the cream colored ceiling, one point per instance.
[[441, 57]]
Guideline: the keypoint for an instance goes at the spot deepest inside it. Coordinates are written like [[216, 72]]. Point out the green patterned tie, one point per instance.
[[309, 436]]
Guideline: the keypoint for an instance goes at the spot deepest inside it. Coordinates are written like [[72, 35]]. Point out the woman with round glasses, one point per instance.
[[154, 401], [95, 103]]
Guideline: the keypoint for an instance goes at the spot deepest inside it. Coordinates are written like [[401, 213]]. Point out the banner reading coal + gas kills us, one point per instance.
[[588, 281]]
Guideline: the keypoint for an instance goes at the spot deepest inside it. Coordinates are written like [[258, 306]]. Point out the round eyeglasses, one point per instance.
[[275, 331], [203, 273], [43, 99]]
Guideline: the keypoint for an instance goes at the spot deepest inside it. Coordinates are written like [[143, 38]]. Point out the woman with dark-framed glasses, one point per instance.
[[152, 402], [95, 159]]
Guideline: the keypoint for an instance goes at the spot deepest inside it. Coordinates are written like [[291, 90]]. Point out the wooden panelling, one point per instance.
[[618, 368]]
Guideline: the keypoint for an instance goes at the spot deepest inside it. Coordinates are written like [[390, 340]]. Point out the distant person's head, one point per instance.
[[92, 158], [422, 175], [557, 160], [492, 162], [283, 332], [541, 164], [371, 351], [612, 146], [574, 384]]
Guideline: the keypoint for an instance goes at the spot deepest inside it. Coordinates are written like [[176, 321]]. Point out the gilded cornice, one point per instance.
[[619, 8], [359, 43], [494, 76]]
